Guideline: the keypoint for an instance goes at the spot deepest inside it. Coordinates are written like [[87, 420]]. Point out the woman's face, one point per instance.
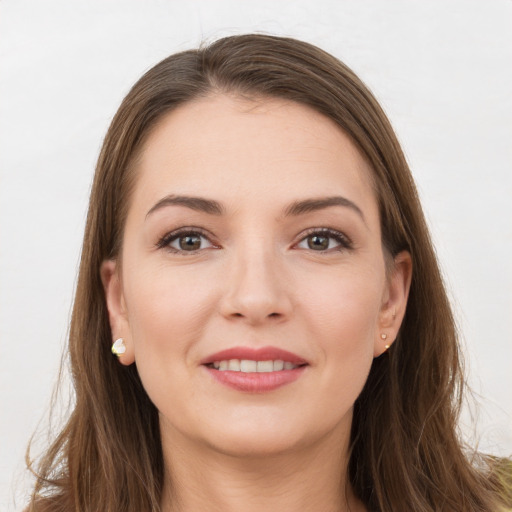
[[252, 293]]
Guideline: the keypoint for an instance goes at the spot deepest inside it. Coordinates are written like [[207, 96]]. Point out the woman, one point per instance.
[[257, 259]]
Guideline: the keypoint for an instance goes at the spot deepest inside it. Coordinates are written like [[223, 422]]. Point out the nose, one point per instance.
[[257, 290]]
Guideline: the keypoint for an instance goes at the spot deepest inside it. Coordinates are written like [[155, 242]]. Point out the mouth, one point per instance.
[[252, 366], [255, 370]]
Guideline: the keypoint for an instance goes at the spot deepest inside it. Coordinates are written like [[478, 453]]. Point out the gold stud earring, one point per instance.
[[384, 336], [118, 347]]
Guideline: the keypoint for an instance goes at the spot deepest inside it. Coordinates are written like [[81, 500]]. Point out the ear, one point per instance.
[[394, 302], [117, 314]]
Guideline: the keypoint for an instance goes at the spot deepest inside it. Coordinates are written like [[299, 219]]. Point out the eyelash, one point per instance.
[[345, 243], [165, 241]]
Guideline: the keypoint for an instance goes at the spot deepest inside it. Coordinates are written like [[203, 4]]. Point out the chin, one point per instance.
[[265, 437], [264, 444]]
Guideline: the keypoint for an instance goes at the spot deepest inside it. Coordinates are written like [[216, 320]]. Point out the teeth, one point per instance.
[[249, 366], [234, 365], [278, 365], [265, 366]]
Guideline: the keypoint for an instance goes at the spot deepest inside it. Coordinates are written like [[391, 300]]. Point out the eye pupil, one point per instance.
[[190, 242], [317, 242]]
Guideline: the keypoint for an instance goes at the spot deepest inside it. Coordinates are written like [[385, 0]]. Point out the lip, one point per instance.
[[255, 382], [255, 354]]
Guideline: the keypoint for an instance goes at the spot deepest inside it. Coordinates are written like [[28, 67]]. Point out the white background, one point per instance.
[[441, 69]]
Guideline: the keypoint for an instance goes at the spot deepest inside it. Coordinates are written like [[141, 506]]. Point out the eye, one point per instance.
[[323, 240], [184, 241]]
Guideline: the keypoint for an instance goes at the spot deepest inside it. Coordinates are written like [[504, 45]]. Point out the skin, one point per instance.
[[254, 281]]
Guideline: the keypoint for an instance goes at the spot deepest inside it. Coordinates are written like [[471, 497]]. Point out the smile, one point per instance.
[[254, 370], [251, 366]]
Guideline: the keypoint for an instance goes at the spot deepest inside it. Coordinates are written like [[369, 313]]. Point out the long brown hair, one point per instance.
[[405, 451]]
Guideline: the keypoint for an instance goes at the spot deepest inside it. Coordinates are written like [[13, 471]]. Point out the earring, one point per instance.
[[384, 336], [118, 347]]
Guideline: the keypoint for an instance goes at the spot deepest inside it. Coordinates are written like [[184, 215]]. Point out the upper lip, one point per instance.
[[254, 354]]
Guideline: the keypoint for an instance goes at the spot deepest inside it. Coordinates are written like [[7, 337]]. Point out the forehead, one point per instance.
[[237, 148]]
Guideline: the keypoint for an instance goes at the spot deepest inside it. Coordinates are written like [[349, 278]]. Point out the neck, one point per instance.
[[304, 480]]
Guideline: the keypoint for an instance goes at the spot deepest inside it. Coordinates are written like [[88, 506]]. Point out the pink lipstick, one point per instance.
[[254, 370]]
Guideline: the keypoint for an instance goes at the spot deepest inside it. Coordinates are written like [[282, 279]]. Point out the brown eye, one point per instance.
[[325, 240], [186, 241], [189, 242], [318, 242]]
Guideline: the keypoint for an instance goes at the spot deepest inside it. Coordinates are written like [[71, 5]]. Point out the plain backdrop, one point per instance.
[[441, 69]]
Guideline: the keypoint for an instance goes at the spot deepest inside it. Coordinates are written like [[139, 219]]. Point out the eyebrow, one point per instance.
[[315, 204], [296, 208], [199, 204]]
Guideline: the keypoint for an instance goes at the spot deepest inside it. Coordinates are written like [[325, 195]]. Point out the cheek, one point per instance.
[[168, 312], [167, 308], [344, 300], [341, 312]]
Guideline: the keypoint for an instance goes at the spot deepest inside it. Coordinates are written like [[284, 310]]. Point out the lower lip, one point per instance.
[[256, 382]]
